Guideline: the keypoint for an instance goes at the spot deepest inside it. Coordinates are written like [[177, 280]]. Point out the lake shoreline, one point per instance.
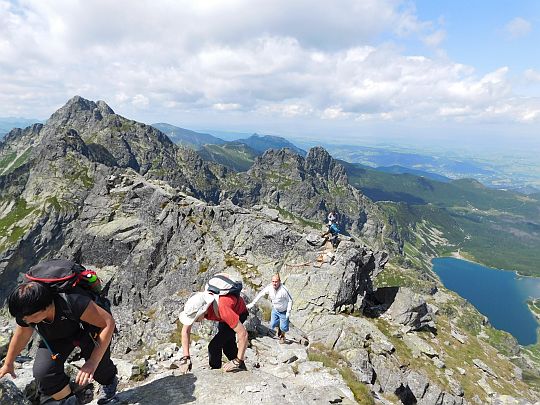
[[477, 282], [458, 255]]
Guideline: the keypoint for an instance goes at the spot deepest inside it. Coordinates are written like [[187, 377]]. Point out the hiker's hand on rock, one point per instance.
[[250, 305], [184, 365], [8, 368], [86, 373]]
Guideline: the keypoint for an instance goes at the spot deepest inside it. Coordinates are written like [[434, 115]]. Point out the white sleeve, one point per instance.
[[260, 294], [289, 303]]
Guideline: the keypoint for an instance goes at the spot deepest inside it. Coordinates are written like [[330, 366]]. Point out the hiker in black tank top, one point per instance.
[[63, 321]]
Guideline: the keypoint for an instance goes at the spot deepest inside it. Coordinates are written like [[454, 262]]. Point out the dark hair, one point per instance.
[[29, 298]]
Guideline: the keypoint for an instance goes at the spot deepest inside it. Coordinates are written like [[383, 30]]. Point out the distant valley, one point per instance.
[[520, 173]]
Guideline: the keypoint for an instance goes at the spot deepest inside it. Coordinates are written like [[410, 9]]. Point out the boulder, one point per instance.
[[360, 364], [410, 309], [484, 367], [5, 337], [10, 394], [417, 383]]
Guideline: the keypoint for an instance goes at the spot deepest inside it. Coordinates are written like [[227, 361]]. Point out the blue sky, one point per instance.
[[477, 32], [350, 71]]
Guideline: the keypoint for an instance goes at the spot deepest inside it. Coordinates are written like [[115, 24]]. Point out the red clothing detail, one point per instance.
[[230, 308]]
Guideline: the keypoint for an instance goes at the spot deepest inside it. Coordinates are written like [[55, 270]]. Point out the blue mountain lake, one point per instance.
[[500, 295]]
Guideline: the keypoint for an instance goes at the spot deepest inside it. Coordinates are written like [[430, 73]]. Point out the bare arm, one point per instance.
[[242, 335], [184, 365], [20, 339], [97, 316]]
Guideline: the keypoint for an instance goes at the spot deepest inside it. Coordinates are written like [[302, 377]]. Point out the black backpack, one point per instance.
[[65, 276]]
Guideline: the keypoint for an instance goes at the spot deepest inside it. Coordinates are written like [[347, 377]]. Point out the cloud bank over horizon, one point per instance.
[[346, 63]]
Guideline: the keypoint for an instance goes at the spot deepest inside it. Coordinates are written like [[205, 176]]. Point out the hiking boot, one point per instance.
[[282, 338], [107, 392]]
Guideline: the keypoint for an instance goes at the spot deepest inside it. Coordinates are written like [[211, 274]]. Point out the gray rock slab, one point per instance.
[[10, 394]]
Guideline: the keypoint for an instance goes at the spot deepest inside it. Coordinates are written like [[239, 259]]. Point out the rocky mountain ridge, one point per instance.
[[157, 222]]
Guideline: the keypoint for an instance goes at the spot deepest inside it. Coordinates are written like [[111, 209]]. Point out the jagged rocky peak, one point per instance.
[[104, 108], [81, 110], [17, 134], [276, 159], [319, 161], [58, 146]]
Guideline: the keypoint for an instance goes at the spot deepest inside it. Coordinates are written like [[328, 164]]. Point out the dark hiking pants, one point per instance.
[[50, 374], [223, 343]]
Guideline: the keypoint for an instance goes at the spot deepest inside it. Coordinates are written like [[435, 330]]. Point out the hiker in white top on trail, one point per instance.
[[331, 218], [281, 306]]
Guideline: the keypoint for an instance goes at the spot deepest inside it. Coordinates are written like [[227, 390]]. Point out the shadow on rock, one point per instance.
[[170, 390]]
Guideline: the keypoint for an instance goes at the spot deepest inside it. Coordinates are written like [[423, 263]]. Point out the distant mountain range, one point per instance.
[[235, 155], [8, 123], [187, 137], [238, 154], [503, 174], [519, 174], [238, 150]]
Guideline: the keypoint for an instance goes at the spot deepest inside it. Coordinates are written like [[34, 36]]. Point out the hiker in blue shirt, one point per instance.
[[333, 229]]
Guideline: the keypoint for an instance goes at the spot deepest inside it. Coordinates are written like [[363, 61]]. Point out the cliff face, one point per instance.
[[308, 188], [157, 223]]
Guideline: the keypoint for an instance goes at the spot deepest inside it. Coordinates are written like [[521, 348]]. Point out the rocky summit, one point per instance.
[[156, 222]]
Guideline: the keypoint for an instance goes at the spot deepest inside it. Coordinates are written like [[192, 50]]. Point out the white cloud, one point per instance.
[[288, 110], [435, 39], [332, 113], [517, 27], [226, 107], [270, 59], [532, 75], [140, 101]]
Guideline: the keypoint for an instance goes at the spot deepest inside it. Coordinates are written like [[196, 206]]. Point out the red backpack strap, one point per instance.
[[60, 275]]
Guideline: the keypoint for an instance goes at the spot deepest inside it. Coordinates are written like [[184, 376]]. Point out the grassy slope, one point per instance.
[[236, 156], [498, 228]]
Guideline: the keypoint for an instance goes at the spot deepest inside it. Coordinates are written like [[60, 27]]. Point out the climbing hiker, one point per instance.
[[221, 302], [281, 305], [332, 218], [333, 234], [63, 320]]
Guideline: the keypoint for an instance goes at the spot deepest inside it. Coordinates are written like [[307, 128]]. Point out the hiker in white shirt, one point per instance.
[[331, 218], [281, 306]]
